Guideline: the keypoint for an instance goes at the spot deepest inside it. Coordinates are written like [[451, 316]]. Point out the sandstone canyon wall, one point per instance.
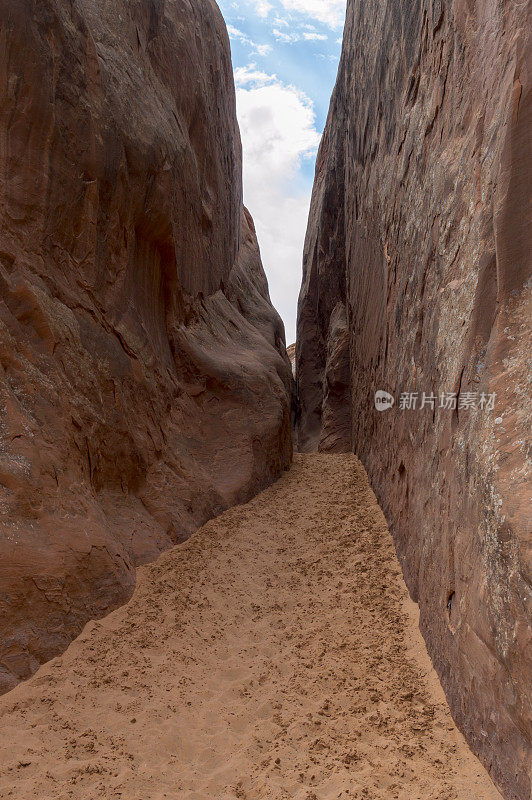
[[144, 379], [417, 276]]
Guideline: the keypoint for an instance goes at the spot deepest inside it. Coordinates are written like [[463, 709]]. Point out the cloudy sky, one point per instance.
[[285, 57]]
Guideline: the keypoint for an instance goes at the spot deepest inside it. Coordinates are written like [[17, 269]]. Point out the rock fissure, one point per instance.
[[146, 388]]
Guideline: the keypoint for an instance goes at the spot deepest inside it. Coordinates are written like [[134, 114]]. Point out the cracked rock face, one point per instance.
[[144, 381], [417, 276]]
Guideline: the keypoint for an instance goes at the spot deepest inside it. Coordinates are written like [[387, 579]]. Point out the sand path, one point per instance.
[[274, 655]]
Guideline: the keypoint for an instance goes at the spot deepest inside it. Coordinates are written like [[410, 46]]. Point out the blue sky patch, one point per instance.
[[285, 57]]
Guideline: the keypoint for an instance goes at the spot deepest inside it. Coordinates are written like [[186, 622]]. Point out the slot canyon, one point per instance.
[[227, 572]]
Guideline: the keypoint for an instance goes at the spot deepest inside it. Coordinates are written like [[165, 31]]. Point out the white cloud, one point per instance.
[[277, 124], [288, 38], [329, 12], [258, 49], [251, 74], [263, 49], [234, 33], [315, 37], [262, 7]]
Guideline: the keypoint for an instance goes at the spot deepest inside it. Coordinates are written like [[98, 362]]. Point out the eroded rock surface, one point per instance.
[[291, 351], [420, 238], [144, 381]]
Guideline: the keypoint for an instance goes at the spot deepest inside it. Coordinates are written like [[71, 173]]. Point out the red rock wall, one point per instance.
[[420, 239], [144, 381]]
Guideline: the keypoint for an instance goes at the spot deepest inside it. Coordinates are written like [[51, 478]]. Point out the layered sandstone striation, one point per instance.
[[144, 381], [417, 275]]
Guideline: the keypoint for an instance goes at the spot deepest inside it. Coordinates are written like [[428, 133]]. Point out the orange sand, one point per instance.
[[274, 655]]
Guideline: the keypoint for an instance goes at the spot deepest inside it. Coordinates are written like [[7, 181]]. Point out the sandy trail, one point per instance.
[[274, 655]]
